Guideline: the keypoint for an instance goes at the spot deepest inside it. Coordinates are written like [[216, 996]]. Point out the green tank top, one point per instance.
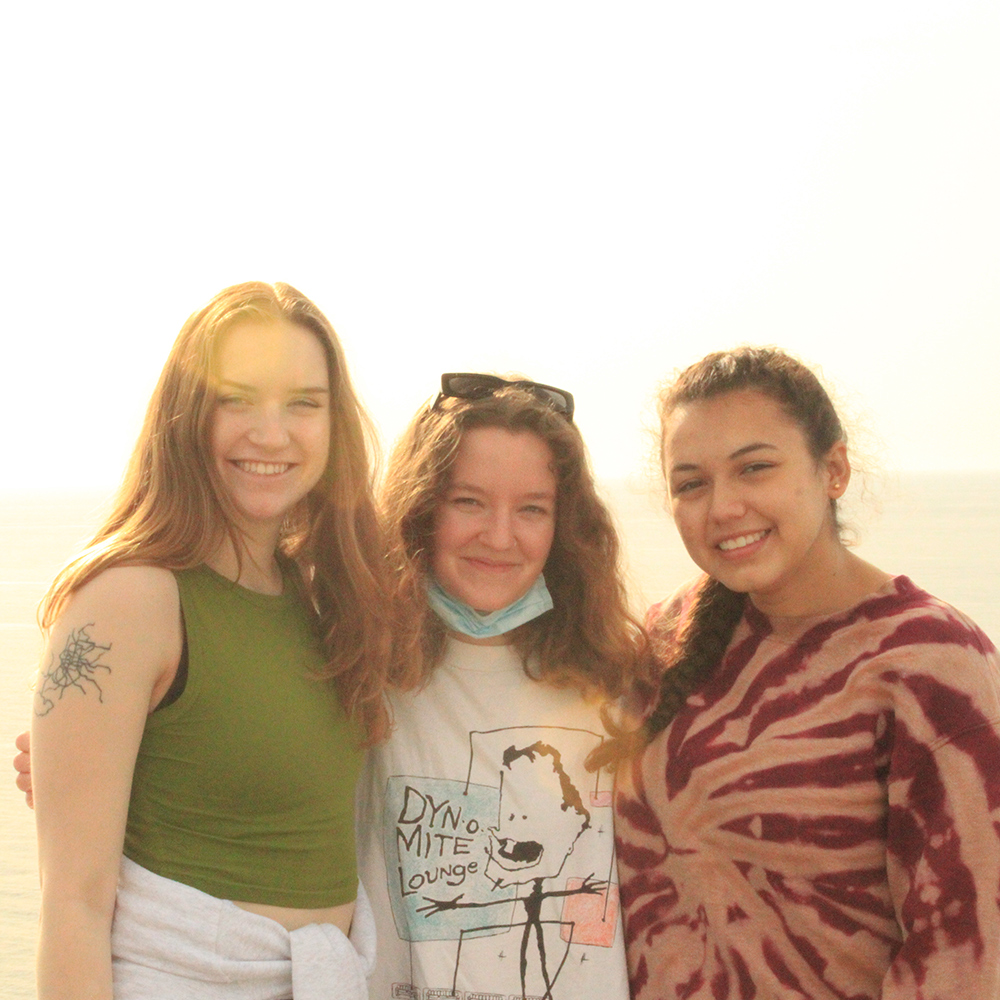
[[244, 786]]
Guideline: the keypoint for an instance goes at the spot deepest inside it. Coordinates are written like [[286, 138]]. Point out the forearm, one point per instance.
[[74, 950]]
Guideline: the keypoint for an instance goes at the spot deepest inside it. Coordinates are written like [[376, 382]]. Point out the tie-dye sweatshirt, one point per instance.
[[822, 818]]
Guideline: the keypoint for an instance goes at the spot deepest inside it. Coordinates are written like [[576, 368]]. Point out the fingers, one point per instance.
[[23, 782], [22, 764]]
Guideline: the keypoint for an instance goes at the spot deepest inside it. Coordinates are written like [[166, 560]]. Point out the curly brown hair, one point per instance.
[[171, 510], [589, 638]]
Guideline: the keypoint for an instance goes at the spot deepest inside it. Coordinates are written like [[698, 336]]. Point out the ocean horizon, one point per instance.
[[942, 529]]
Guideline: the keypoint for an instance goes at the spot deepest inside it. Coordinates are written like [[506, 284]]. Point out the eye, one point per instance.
[[307, 402], [231, 400], [686, 486], [757, 466], [465, 501], [536, 509]]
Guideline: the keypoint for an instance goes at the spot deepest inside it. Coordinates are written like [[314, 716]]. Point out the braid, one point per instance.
[[702, 641]]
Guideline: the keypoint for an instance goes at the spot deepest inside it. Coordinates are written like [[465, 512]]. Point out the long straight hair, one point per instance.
[[171, 509]]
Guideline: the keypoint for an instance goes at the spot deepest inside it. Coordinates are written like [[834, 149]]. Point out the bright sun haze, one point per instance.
[[592, 195]]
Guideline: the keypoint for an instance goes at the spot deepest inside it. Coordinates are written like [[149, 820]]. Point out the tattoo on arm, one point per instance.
[[78, 664]]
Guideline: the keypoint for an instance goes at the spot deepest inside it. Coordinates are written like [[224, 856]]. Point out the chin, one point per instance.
[[487, 599], [486, 606], [261, 515]]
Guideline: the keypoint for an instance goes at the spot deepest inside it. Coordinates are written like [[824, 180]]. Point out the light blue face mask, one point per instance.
[[460, 617]]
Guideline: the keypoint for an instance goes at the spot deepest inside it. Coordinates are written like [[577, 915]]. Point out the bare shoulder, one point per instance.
[[135, 598], [121, 627], [148, 587]]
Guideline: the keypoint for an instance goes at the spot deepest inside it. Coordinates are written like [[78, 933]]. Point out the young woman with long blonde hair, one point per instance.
[[214, 662]]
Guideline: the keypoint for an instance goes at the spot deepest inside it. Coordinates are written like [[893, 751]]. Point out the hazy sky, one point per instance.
[[591, 193]]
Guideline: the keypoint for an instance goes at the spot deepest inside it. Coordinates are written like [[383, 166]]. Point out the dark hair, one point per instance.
[[707, 626], [589, 637], [766, 370]]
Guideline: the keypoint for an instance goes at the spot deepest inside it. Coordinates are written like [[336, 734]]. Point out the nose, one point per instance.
[[268, 429], [498, 529], [727, 501]]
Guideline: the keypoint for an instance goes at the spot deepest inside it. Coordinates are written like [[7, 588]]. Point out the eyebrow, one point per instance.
[[739, 453], [756, 446], [472, 488], [252, 388]]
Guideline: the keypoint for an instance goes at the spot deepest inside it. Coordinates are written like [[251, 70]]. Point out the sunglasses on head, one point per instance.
[[475, 385]]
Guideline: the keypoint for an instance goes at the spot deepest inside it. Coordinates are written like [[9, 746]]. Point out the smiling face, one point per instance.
[[494, 525], [271, 426], [750, 501]]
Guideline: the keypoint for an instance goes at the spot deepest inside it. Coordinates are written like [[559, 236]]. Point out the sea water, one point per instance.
[[941, 529]]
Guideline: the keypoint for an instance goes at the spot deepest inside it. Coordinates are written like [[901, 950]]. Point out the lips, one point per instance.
[[489, 565], [742, 541]]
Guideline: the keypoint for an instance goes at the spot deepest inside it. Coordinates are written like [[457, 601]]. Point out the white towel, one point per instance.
[[172, 942]]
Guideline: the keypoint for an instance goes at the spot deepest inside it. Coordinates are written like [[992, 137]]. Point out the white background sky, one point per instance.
[[590, 193]]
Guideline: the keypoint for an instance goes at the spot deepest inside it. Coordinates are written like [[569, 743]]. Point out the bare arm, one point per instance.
[[108, 660]]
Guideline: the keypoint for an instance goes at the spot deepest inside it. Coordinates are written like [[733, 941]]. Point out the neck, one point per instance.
[[255, 567], [829, 586]]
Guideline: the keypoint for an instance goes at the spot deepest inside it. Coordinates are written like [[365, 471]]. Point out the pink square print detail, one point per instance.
[[591, 918]]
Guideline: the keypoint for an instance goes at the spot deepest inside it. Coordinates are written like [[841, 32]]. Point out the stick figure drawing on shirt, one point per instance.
[[541, 817]]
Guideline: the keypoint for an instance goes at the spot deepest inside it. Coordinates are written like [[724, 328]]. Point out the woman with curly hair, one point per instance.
[[815, 807], [485, 843]]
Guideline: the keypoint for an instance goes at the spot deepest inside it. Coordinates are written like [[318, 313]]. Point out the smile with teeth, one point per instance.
[[263, 468], [729, 544]]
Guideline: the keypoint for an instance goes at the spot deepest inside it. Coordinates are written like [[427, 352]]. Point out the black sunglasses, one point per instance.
[[475, 385]]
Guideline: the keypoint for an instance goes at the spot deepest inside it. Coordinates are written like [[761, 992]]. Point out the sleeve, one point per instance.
[[943, 825]]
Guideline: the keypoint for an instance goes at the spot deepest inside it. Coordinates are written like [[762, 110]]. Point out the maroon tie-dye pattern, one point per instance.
[[822, 819]]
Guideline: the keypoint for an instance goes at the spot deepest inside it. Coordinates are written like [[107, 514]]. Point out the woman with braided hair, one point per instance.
[[815, 807]]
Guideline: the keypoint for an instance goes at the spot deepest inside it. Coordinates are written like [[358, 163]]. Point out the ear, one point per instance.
[[836, 469]]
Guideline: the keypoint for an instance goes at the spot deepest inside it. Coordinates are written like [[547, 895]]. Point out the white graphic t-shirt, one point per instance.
[[486, 846]]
